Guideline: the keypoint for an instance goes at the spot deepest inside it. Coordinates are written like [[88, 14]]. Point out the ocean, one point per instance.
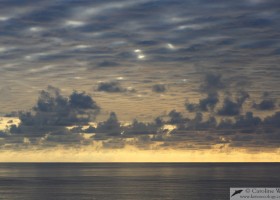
[[132, 181]]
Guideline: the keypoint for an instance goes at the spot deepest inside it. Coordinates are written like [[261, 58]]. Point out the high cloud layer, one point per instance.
[[121, 33]]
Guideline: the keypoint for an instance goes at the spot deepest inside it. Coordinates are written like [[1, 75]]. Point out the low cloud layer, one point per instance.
[[217, 120]]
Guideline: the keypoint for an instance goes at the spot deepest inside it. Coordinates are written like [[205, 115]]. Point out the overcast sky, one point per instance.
[[142, 59]]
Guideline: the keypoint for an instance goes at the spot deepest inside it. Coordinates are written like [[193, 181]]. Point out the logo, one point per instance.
[[236, 192]]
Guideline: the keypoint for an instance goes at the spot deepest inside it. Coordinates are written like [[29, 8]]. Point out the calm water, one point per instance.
[[131, 181]]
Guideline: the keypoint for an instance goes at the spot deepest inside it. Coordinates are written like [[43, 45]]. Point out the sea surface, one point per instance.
[[132, 181]]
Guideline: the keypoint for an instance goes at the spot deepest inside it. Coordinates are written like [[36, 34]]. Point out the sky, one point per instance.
[[139, 80]]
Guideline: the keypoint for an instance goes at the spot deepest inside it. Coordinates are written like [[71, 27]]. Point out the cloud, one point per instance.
[[209, 102], [266, 104], [159, 88], [110, 127], [88, 12], [51, 100], [230, 108], [191, 107], [2, 134], [212, 82], [74, 23], [82, 101], [176, 117], [205, 104], [140, 128], [202, 131], [242, 97], [233, 108], [246, 131], [53, 112], [112, 87], [69, 139], [273, 121], [106, 63], [113, 128]]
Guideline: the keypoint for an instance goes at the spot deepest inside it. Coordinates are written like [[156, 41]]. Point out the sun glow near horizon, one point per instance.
[[90, 154]]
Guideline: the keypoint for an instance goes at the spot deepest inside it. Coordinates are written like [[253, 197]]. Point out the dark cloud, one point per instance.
[[159, 88], [248, 123], [106, 63], [53, 112], [266, 104], [140, 128], [147, 43], [90, 129], [113, 128], [230, 108], [233, 108], [110, 87], [212, 82], [12, 114], [176, 117], [205, 104], [244, 130], [3, 134], [82, 101], [209, 102], [191, 107], [50, 100], [70, 139], [272, 121], [110, 127]]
